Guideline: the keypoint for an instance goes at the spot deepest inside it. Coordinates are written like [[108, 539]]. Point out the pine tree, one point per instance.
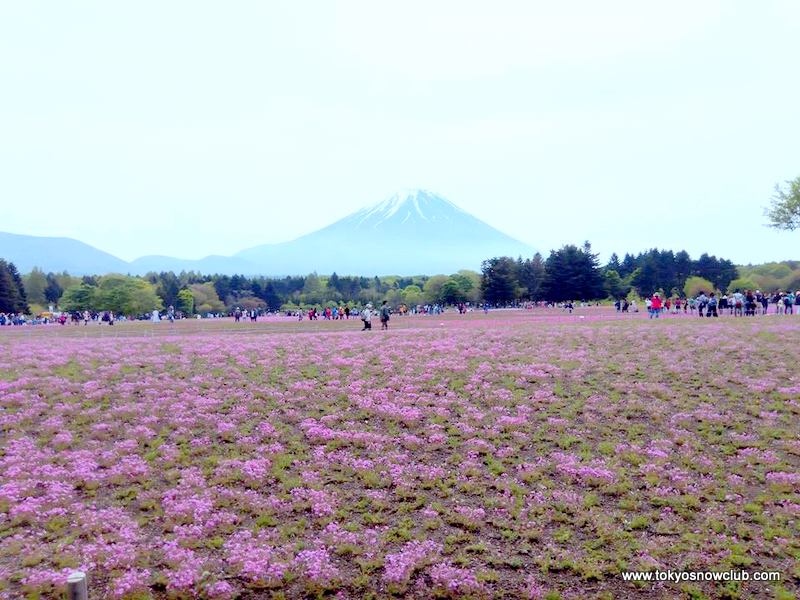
[[12, 291], [614, 264], [573, 273], [499, 282], [53, 291], [531, 276]]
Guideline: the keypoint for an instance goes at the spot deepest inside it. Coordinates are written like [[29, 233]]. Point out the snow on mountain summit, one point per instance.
[[407, 207]]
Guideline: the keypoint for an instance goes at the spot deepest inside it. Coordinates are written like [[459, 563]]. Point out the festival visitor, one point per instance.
[[655, 306], [701, 302], [712, 306], [738, 303], [749, 303], [385, 312], [366, 317], [788, 303]]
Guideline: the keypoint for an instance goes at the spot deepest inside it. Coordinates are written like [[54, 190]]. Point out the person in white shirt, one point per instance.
[[366, 317]]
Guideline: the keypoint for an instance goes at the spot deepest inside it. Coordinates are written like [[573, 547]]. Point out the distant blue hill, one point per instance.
[[414, 232], [58, 254]]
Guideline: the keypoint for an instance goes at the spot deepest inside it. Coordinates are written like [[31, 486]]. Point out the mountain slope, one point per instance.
[[413, 232], [58, 254], [224, 265]]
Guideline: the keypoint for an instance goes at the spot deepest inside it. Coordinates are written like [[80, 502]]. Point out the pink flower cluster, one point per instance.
[[453, 581], [255, 558], [398, 567]]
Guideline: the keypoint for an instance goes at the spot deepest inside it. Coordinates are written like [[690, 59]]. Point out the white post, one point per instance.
[[77, 588]]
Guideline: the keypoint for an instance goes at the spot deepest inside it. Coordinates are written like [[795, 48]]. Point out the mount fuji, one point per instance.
[[414, 232]]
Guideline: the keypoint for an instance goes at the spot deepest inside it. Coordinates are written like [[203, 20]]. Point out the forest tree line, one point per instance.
[[569, 273]]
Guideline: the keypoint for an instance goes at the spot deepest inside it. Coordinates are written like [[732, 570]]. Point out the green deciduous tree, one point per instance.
[[79, 297], [206, 299], [432, 290], [468, 283], [784, 209], [35, 283], [451, 292], [185, 301], [126, 295], [694, 285], [412, 295], [741, 284]]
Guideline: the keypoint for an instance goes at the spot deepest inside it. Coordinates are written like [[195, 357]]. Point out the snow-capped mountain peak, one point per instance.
[[412, 231], [407, 207]]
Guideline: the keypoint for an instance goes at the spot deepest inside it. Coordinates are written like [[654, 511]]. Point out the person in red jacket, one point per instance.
[[655, 306]]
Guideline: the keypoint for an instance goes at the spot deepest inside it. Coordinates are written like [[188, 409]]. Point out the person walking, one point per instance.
[[655, 306], [712, 306], [701, 301], [788, 303], [738, 303], [366, 317], [385, 313], [749, 303]]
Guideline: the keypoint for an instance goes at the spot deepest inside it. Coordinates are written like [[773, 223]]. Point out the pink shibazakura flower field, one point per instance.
[[508, 457]]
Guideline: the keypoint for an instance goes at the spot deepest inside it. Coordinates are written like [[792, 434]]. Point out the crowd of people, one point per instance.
[[250, 314], [63, 318], [330, 313], [741, 304]]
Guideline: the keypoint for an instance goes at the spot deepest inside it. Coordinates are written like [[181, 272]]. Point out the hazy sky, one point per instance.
[[192, 128]]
